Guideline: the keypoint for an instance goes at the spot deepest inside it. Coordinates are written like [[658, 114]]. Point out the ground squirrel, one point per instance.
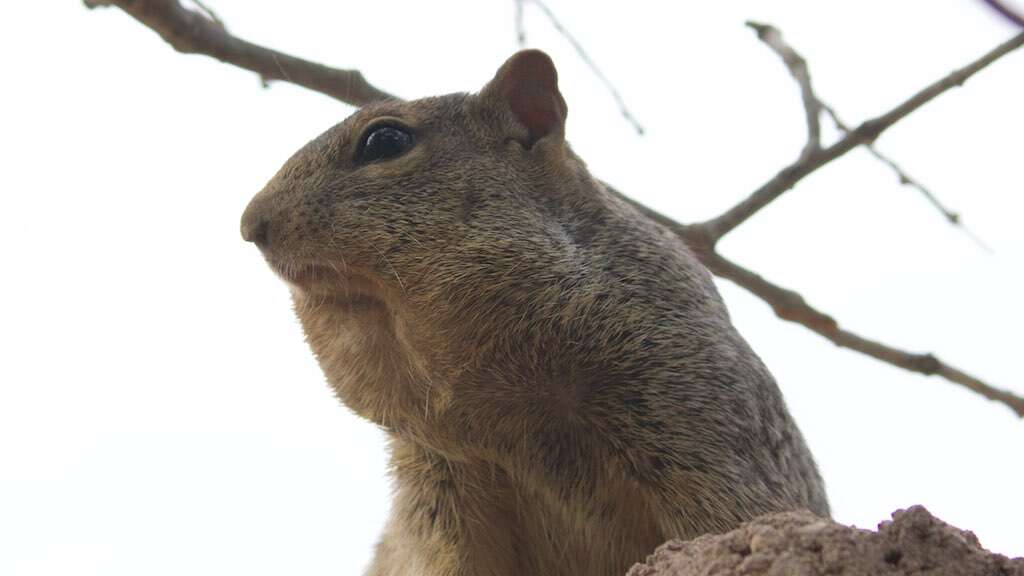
[[558, 377]]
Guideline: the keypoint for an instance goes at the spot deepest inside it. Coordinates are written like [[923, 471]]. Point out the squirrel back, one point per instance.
[[560, 381]]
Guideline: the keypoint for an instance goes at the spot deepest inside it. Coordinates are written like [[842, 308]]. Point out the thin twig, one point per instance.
[[593, 67], [866, 133], [797, 66], [193, 32], [905, 179], [520, 26], [1006, 12], [791, 306], [813, 106]]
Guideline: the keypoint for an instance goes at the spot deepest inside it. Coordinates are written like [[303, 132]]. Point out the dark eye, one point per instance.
[[384, 143]]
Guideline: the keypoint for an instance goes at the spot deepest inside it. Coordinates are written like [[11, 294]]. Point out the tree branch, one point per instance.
[[193, 32], [791, 306], [797, 66], [1006, 11], [520, 26], [813, 106], [906, 179], [866, 133], [788, 304]]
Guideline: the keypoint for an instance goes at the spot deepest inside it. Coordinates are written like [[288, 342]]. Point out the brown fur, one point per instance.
[[560, 381]]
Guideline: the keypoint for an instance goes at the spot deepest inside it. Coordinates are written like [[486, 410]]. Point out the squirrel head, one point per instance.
[[415, 233], [466, 284], [398, 172]]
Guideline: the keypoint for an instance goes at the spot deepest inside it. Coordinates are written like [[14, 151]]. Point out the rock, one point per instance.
[[801, 544]]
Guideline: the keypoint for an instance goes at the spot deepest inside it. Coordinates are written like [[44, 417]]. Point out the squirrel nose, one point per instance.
[[255, 226], [257, 233]]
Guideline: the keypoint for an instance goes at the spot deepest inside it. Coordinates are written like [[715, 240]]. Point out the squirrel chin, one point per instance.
[[325, 282], [303, 275]]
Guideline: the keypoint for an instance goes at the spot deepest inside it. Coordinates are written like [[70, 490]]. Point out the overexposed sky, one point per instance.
[[161, 414]]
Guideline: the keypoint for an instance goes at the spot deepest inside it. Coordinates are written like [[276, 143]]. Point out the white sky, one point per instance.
[[160, 413]]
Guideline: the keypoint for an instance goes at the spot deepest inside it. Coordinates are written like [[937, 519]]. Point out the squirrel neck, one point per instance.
[[502, 520]]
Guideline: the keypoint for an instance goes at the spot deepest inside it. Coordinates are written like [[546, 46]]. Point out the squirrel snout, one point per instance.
[[256, 232], [255, 227]]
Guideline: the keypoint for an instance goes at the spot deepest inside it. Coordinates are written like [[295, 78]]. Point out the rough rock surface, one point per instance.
[[801, 544]]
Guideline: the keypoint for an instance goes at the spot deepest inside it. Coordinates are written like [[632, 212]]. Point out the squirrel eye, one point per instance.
[[384, 143]]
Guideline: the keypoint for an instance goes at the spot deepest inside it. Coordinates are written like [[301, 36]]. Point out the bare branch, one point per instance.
[[210, 13], [813, 106], [866, 133], [791, 306], [193, 32], [907, 180], [520, 27], [797, 66], [203, 33], [593, 67], [1006, 12]]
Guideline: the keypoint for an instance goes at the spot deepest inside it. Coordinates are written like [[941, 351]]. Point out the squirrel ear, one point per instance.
[[528, 84]]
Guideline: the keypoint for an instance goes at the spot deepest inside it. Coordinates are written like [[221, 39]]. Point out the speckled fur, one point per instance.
[[560, 381]]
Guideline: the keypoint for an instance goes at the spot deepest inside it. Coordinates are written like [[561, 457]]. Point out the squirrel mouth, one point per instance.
[[325, 279], [305, 274]]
